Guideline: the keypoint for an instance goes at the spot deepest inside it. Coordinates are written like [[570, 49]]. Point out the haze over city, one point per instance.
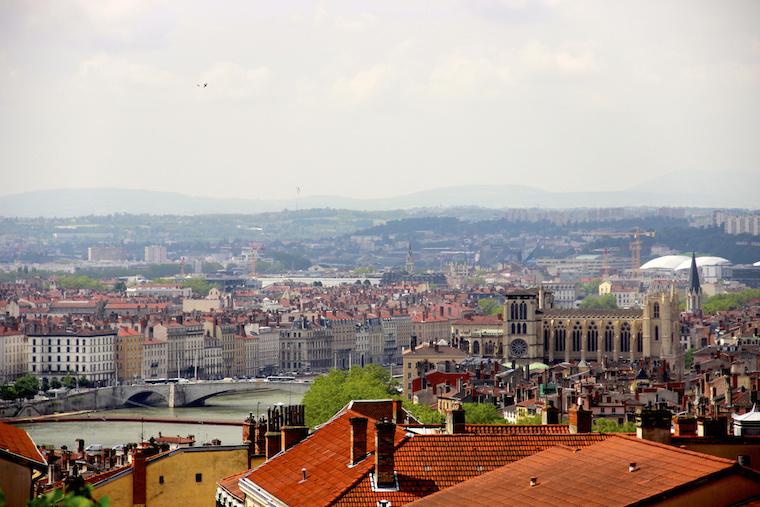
[[374, 100]]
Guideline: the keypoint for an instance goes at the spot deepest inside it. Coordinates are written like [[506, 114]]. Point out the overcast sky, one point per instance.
[[374, 99]]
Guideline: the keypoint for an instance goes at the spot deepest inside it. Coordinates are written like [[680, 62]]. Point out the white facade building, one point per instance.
[[156, 254], [84, 354]]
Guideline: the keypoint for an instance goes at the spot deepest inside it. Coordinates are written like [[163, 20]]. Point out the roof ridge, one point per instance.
[[676, 449]]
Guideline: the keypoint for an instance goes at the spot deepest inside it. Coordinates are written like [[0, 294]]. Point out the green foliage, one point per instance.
[[45, 385], [120, 287], [79, 282], [689, 359], [590, 288], [8, 393], [69, 382], [605, 302], [199, 285], [610, 426], [331, 392], [731, 301], [529, 419], [490, 306], [81, 497], [290, 261], [55, 384], [27, 386], [424, 413], [83, 382], [482, 413]]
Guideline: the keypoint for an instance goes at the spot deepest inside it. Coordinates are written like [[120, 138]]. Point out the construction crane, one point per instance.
[[635, 244]]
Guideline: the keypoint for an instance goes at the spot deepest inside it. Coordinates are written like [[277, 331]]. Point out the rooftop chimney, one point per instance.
[[139, 481], [358, 439], [273, 439], [384, 450], [579, 420], [455, 421], [653, 423], [550, 414], [293, 430]]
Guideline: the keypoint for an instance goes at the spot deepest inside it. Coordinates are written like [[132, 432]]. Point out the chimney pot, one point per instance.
[[533, 481], [303, 473], [632, 467]]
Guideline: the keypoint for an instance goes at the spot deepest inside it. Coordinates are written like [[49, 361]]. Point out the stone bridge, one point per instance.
[[195, 393], [175, 395]]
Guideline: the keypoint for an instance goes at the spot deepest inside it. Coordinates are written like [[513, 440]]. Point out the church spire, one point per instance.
[[694, 296], [694, 285]]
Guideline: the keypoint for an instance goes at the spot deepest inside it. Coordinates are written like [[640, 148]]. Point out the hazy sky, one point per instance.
[[374, 99]]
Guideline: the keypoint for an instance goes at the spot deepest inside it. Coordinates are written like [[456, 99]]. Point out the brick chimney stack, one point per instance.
[[455, 421], [358, 439], [273, 439], [550, 414], [384, 454], [294, 429], [653, 423], [139, 480], [579, 420]]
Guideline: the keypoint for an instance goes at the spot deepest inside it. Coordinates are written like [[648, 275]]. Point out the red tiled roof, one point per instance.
[[512, 429], [426, 464], [325, 455], [18, 442], [231, 484], [599, 475]]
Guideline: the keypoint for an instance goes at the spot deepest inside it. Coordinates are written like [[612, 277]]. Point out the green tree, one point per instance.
[[81, 496], [120, 287], [482, 413], [689, 359], [331, 392], [610, 426], [69, 382], [199, 285], [45, 385], [730, 301], [424, 413], [8, 393], [605, 302], [27, 386], [79, 282], [83, 382], [529, 419], [490, 306]]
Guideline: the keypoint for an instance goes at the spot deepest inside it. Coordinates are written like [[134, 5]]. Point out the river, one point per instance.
[[228, 407]]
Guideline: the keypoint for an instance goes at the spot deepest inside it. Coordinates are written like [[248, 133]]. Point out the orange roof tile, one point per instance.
[[325, 455], [17, 442], [426, 464], [599, 475]]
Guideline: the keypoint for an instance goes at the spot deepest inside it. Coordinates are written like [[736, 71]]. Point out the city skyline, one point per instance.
[[375, 100]]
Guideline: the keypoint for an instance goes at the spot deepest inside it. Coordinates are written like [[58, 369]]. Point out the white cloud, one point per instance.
[[233, 81], [120, 71], [363, 85], [540, 58], [464, 76]]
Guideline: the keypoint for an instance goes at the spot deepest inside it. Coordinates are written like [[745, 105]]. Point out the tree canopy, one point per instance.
[[490, 306], [605, 302], [331, 392], [482, 413], [730, 301]]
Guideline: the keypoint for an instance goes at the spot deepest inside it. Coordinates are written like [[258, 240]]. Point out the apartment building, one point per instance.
[[88, 354]]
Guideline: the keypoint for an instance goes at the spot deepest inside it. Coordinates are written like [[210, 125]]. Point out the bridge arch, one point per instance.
[[146, 397]]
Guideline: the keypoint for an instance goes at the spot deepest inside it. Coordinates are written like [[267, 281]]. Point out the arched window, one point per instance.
[[476, 347], [591, 338], [547, 335], [609, 334], [524, 328], [656, 333], [559, 338], [656, 311], [577, 337], [513, 328], [523, 311], [512, 312], [639, 343], [625, 337]]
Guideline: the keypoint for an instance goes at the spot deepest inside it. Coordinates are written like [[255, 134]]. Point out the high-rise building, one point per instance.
[[155, 254], [105, 253]]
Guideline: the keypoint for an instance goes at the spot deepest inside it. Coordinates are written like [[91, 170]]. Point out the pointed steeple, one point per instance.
[[694, 285]]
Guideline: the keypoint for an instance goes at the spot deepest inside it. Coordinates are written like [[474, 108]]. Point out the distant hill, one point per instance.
[[671, 190]]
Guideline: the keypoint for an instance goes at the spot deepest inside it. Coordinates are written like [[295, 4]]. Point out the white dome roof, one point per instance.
[[703, 261], [666, 262], [757, 263]]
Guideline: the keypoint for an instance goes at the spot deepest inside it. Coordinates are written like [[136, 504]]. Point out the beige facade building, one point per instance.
[[13, 355], [129, 354], [155, 359]]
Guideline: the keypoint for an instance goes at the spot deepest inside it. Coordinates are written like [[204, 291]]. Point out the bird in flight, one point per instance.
[[202, 85]]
